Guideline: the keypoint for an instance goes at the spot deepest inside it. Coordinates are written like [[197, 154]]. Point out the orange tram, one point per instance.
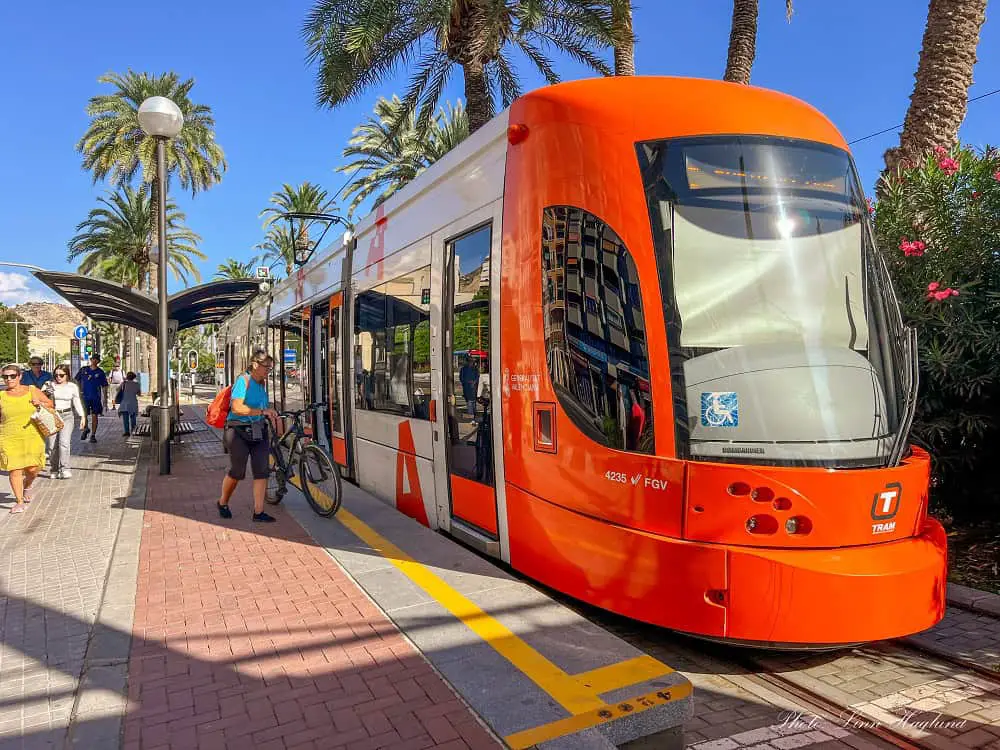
[[633, 338]]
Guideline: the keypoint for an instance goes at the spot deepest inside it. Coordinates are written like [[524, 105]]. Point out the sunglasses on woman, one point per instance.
[[10, 377]]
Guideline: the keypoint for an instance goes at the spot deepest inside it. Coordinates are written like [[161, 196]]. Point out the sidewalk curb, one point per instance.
[[97, 718], [974, 599]]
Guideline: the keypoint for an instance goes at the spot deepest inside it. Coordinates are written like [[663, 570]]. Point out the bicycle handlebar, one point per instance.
[[299, 412]]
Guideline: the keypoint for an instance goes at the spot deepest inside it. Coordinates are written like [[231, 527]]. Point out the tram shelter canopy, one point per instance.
[[104, 300]]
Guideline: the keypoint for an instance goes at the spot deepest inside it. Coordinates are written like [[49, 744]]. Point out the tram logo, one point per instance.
[[720, 409], [885, 506]]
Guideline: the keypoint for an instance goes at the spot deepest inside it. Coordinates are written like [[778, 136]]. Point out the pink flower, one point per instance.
[[935, 293], [948, 166], [975, 195], [996, 175], [915, 248], [871, 206], [941, 151]]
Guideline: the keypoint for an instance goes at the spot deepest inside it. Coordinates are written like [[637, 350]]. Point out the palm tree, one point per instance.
[[389, 150], [307, 198], [743, 40], [278, 248], [624, 39], [941, 90], [113, 242], [233, 269], [115, 146], [360, 43]]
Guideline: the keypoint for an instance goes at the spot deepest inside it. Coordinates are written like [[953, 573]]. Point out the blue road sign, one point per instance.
[[290, 356], [81, 332]]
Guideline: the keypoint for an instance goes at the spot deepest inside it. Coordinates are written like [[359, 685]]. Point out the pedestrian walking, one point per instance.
[[22, 449], [35, 375], [65, 394], [128, 405], [93, 384], [117, 377], [247, 433]]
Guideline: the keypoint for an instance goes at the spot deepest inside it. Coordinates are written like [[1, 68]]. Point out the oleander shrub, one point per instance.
[[938, 224]]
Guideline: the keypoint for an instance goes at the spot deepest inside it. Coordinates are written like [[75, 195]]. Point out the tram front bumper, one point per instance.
[[830, 597]]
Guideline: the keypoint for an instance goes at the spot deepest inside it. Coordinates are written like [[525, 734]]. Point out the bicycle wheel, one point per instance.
[[320, 481], [276, 488]]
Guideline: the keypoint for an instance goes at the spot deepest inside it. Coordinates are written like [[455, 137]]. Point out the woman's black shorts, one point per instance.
[[240, 444]]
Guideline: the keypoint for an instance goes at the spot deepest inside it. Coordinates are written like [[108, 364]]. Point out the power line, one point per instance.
[[894, 127]]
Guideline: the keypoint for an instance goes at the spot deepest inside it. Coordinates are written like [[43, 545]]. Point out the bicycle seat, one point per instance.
[[292, 414]]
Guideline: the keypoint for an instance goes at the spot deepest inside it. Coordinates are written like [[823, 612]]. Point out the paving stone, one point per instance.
[[264, 619], [54, 559]]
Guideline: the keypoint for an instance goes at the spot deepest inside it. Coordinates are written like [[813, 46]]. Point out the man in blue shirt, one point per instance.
[[93, 382], [35, 376]]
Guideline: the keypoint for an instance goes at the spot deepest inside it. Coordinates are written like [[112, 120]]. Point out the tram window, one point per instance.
[[294, 364], [595, 334], [392, 346]]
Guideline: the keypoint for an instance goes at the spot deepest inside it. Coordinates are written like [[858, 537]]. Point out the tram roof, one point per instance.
[[649, 108], [107, 301]]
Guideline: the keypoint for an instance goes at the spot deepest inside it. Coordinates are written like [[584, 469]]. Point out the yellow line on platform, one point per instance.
[[597, 716], [578, 694], [560, 686], [629, 672]]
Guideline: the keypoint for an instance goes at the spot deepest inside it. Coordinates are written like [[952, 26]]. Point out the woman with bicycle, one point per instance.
[[246, 436]]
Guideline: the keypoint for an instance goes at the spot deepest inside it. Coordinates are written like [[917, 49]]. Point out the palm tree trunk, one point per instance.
[[941, 91], [477, 95], [621, 22], [742, 42]]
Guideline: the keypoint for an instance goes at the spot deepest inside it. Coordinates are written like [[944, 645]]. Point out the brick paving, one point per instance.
[[732, 712], [54, 562], [249, 635], [930, 700], [972, 636], [901, 688]]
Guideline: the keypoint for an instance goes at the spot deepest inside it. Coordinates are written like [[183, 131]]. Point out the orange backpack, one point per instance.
[[218, 410]]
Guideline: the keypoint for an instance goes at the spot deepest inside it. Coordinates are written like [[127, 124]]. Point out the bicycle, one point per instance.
[[319, 478]]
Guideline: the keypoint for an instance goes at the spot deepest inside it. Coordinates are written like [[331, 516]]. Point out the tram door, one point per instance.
[[334, 381], [465, 373], [319, 340]]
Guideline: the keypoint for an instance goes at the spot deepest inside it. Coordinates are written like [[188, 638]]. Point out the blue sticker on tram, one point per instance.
[[720, 409]]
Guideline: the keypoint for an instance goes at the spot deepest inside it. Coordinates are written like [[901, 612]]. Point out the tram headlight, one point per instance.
[[792, 525], [751, 524]]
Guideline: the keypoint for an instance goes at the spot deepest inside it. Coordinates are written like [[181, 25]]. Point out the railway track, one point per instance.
[[908, 693]]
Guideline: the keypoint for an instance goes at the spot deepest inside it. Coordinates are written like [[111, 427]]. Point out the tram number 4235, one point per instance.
[[636, 480]]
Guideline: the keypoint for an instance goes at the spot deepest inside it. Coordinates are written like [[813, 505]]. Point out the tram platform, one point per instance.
[[539, 674], [529, 670]]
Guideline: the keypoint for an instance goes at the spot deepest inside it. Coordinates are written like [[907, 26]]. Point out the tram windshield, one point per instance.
[[775, 301]]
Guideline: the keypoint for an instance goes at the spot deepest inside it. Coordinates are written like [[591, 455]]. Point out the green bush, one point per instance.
[[938, 223]]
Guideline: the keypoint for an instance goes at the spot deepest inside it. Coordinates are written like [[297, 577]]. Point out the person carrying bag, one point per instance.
[[246, 437], [65, 394]]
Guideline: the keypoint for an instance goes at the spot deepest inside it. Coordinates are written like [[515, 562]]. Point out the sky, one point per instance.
[[852, 59]]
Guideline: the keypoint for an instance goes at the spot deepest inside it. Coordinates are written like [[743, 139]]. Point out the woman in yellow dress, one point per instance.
[[22, 448]]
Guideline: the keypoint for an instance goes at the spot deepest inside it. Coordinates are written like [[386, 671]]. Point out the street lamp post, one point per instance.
[[162, 119]]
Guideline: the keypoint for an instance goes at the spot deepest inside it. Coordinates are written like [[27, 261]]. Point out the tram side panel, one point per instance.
[[390, 375], [398, 410]]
